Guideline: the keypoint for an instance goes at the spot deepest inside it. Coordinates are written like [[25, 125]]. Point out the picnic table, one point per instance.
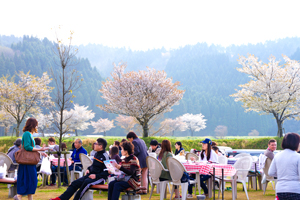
[[214, 169]]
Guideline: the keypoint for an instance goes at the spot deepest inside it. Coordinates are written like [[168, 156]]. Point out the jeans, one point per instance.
[[202, 184], [77, 168], [53, 176], [115, 188]]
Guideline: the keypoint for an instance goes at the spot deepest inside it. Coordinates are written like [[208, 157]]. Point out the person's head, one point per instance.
[[165, 147], [216, 149], [131, 136], [206, 147], [18, 142], [37, 141], [213, 143], [100, 145], [153, 144], [291, 141], [93, 146], [272, 145], [114, 151], [63, 146], [78, 143], [178, 145], [127, 148], [123, 140], [31, 125], [116, 143], [73, 145], [51, 141]]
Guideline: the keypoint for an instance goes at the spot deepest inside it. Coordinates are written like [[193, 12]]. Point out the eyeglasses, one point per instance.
[[97, 144]]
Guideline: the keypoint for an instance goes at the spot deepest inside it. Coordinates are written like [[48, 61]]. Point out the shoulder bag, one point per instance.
[[27, 157]]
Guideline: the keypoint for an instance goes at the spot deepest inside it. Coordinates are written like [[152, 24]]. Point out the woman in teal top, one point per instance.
[[27, 178]]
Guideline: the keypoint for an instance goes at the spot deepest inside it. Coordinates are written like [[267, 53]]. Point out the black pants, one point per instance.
[[115, 188], [82, 184]]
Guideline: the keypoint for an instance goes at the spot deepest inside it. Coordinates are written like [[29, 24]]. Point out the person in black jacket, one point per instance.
[[94, 175]]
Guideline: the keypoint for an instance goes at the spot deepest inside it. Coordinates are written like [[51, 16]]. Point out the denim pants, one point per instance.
[[202, 184], [115, 188], [53, 176]]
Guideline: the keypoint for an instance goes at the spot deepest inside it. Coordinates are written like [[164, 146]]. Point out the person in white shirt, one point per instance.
[[208, 155], [286, 167]]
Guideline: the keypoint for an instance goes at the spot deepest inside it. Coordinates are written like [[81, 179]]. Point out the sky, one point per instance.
[[143, 25]]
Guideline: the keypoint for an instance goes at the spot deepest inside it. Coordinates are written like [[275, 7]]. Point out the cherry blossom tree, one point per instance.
[[142, 94], [79, 117], [25, 97], [6, 121], [171, 125], [126, 122], [273, 89], [45, 122], [253, 133], [102, 125], [195, 123], [221, 131]]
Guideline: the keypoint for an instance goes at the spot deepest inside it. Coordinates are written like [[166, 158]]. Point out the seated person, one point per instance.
[[179, 149], [11, 153], [272, 145], [95, 174], [217, 151], [154, 147], [93, 152], [38, 142], [117, 144], [166, 151], [75, 158], [207, 154], [114, 154], [130, 166], [54, 167], [53, 145]]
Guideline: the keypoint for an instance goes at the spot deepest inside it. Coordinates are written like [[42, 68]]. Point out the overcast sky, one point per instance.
[[142, 25]]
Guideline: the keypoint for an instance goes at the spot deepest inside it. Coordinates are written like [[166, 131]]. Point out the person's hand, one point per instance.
[[116, 165], [92, 176], [44, 154], [87, 171], [44, 145], [43, 148], [109, 172], [192, 159], [72, 161]]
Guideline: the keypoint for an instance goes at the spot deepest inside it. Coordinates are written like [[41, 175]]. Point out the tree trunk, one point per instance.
[[279, 126], [5, 130], [104, 133], [192, 133], [18, 129], [76, 132], [145, 129]]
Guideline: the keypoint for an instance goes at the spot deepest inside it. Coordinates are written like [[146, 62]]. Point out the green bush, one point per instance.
[[188, 142]]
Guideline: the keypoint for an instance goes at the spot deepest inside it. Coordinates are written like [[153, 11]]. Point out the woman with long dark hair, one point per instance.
[[27, 178], [179, 149], [208, 155]]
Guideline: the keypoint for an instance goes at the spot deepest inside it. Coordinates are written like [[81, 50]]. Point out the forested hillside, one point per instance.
[[207, 73]]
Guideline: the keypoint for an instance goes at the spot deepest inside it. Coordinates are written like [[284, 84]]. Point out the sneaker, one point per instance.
[[53, 184], [56, 198], [189, 196], [176, 197]]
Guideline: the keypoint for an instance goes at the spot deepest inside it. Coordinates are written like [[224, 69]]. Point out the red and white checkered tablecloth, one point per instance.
[[204, 169]]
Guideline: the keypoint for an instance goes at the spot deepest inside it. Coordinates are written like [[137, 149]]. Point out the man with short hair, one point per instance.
[[95, 174], [272, 145], [11, 153], [154, 147], [75, 158]]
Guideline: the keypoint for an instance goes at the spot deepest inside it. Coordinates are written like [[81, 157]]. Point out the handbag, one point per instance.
[[122, 177], [27, 157]]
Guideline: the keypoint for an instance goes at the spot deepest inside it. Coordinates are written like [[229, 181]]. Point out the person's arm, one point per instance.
[[213, 157], [273, 169], [132, 170], [136, 148]]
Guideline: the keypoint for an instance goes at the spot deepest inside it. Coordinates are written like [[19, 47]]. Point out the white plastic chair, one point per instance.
[[266, 173], [155, 168], [222, 160], [176, 170], [4, 158], [242, 155], [74, 172], [86, 161], [188, 156], [242, 166]]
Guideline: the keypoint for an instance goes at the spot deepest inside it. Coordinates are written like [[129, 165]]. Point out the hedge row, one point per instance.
[[188, 143]]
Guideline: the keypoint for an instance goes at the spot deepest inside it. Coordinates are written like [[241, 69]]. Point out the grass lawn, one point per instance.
[[50, 192]]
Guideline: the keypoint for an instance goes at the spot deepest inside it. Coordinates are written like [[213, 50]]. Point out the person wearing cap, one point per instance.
[[11, 152], [208, 155], [154, 147]]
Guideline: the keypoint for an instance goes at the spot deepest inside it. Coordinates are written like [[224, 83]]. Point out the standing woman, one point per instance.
[[27, 178], [286, 167], [140, 151]]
